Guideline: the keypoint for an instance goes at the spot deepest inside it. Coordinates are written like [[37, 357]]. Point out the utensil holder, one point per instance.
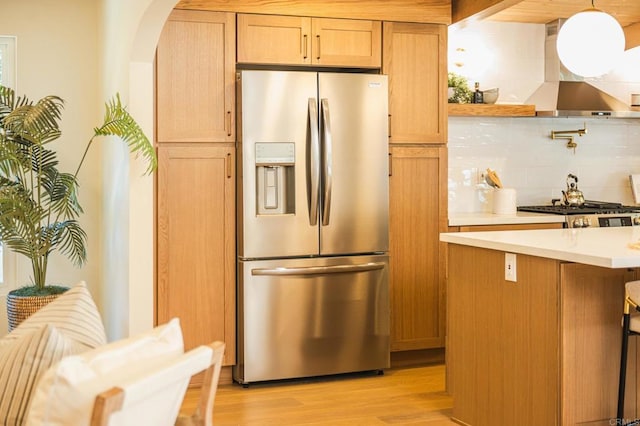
[[504, 201]]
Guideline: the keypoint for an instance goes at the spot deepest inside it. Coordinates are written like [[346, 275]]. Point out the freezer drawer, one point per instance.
[[312, 317]]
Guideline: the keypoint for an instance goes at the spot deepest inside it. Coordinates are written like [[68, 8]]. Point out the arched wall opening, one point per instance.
[[137, 239]]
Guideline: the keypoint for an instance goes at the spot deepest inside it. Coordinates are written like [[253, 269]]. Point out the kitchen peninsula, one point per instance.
[[542, 348]]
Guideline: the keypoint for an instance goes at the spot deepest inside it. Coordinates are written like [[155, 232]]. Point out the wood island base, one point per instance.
[[544, 350]]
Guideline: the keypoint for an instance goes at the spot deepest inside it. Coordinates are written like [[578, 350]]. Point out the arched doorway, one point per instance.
[[140, 231]]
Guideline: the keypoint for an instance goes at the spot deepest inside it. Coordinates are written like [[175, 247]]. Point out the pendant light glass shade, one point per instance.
[[590, 43]]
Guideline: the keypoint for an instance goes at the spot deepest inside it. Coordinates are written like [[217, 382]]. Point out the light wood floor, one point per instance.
[[400, 396]]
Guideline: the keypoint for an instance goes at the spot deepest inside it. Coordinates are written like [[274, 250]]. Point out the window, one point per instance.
[[8, 61], [7, 78]]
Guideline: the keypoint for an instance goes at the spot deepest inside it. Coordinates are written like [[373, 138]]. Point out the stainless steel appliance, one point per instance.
[[591, 214], [313, 295]]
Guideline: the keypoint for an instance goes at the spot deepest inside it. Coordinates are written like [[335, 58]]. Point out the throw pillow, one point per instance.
[[74, 313], [69, 325], [67, 391]]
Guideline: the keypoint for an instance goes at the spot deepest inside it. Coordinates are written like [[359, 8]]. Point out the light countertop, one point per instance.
[[606, 247], [470, 219]]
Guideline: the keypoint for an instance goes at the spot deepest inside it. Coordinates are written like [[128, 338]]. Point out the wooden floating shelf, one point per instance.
[[497, 110]]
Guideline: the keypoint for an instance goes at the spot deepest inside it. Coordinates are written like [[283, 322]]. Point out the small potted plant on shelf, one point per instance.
[[39, 205], [458, 89]]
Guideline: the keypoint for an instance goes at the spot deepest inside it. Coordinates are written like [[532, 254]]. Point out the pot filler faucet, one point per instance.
[[568, 134]]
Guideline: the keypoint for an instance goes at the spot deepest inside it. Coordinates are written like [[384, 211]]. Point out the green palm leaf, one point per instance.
[[118, 122], [37, 123], [68, 237]]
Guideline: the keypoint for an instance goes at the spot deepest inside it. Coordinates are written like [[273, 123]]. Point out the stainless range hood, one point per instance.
[[564, 94]]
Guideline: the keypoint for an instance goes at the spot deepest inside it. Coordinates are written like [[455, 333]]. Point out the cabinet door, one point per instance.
[[196, 243], [591, 302], [417, 215], [415, 58], [346, 42], [268, 39], [196, 77]]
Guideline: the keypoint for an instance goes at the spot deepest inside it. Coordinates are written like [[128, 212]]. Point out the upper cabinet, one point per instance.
[[294, 40], [344, 42], [415, 59], [196, 77]]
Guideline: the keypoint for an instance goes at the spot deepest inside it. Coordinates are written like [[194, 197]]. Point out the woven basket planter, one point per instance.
[[19, 308]]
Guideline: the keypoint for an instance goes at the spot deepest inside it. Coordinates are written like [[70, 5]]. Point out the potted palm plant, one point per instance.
[[39, 205]]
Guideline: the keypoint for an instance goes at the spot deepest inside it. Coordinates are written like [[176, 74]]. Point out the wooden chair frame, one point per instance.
[[117, 398]]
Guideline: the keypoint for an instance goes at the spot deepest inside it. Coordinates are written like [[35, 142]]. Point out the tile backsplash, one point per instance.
[[525, 157]]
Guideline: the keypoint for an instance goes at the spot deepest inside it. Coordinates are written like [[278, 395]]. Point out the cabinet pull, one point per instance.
[[229, 165], [389, 127], [390, 164], [304, 46], [228, 123], [318, 38]]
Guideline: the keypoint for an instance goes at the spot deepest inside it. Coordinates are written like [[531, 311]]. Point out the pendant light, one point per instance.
[[590, 43]]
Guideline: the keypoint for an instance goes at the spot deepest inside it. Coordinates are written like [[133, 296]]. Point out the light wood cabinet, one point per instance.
[[295, 40], [195, 191], [196, 243], [417, 215], [591, 302], [195, 78], [415, 59], [547, 347]]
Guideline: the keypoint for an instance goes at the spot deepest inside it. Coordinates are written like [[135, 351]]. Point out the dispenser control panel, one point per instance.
[[275, 153]]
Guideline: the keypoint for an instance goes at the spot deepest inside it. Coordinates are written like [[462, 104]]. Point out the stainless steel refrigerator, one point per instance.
[[313, 296]]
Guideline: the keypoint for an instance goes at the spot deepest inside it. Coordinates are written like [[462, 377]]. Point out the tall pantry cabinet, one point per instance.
[[195, 116], [414, 58]]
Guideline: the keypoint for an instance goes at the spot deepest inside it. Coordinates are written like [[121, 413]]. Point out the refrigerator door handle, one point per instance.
[[326, 153], [313, 169], [319, 270]]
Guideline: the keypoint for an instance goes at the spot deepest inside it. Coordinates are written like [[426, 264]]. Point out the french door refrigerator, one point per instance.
[[313, 295]]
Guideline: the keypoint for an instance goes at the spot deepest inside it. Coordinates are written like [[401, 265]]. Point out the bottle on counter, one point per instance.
[[477, 95]]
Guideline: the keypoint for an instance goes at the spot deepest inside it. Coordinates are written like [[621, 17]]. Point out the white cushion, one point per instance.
[[39, 342], [66, 393]]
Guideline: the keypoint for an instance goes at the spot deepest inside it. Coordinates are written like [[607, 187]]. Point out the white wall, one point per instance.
[[57, 55], [520, 149], [85, 51]]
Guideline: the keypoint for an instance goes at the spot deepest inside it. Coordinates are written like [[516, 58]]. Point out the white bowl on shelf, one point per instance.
[[490, 96]]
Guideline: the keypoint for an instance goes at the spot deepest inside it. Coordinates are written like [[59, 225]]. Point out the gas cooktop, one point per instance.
[[589, 207]]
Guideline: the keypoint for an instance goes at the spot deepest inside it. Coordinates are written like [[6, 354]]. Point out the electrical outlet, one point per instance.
[[510, 267]]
